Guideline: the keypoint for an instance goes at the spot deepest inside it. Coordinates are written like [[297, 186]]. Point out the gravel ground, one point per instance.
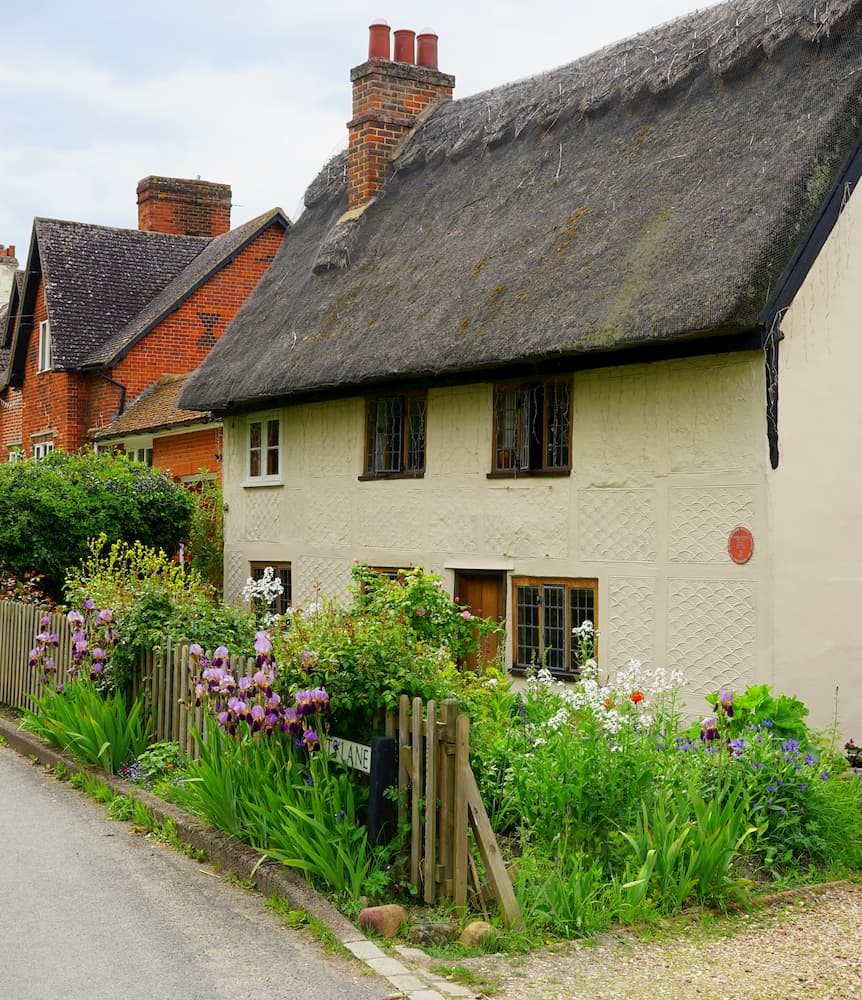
[[805, 944]]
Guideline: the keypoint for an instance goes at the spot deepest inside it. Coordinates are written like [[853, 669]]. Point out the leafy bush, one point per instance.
[[206, 533], [27, 590], [395, 637], [154, 598], [50, 507]]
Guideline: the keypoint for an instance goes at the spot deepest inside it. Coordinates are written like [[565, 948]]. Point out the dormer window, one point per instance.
[[46, 347]]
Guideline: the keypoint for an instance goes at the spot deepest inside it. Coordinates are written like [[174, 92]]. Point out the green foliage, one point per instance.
[[51, 507], [153, 598], [301, 810], [206, 533], [96, 728], [684, 846], [567, 895], [160, 762], [784, 714], [395, 637]]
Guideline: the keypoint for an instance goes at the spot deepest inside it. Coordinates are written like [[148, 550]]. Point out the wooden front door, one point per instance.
[[484, 593]]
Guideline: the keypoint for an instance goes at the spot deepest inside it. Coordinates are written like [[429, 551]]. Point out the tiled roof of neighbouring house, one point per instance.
[[156, 408], [654, 191]]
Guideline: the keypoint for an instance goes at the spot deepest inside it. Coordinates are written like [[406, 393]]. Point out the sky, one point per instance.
[[96, 94]]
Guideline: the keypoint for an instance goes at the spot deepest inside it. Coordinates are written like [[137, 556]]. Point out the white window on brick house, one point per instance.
[[42, 448], [46, 347], [16, 453]]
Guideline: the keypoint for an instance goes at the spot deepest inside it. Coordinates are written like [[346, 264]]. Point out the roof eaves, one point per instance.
[[264, 221], [17, 347], [814, 240]]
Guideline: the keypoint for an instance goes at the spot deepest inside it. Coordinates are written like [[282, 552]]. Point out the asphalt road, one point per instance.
[[90, 909]]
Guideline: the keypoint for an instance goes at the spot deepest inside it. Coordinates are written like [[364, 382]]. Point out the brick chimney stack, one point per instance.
[[8, 267], [183, 207], [388, 96]]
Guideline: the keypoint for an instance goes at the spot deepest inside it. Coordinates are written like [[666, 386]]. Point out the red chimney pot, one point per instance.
[[405, 46], [378, 41], [426, 49]]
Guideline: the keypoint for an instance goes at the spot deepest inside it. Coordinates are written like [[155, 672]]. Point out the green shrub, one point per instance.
[[394, 637], [96, 728], [153, 598], [206, 533], [50, 507]]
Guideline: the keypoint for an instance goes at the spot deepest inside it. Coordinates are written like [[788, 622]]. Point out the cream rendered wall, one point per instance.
[[814, 495], [668, 458]]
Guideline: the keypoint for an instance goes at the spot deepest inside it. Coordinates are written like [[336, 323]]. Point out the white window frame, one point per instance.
[[42, 448], [46, 347], [16, 453], [259, 455]]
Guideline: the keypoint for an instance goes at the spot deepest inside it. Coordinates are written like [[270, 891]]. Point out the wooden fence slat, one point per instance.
[[403, 740], [446, 772], [498, 877], [416, 784], [430, 802], [460, 830]]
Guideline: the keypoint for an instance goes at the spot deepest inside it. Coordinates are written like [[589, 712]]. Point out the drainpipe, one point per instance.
[[117, 385]]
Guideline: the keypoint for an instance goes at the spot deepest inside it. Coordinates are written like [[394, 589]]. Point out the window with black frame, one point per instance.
[[546, 613], [395, 436], [532, 427]]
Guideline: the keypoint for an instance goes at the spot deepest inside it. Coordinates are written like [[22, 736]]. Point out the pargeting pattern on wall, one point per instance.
[[235, 576], [329, 518], [527, 520], [617, 525], [453, 526], [313, 578], [712, 634], [390, 516], [630, 624], [262, 515], [702, 518]]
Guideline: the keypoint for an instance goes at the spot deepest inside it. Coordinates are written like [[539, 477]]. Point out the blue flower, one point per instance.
[[767, 723]]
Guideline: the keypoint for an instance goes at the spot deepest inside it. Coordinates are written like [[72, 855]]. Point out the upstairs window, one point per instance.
[[42, 448], [532, 427], [395, 435], [46, 347], [546, 611], [264, 449]]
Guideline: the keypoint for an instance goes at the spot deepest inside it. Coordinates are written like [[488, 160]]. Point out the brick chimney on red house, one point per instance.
[[183, 207], [388, 96]]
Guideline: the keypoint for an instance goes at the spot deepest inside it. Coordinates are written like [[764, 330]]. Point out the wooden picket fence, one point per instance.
[[439, 796], [19, 625]]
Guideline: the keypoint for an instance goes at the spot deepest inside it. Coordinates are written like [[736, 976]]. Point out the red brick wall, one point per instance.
[[187, 454], [387, 99], [184, 338], [53, 403], [11, 411], [184, 207]]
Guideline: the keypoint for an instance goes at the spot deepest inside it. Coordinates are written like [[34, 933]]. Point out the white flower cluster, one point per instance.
[[264, 592]]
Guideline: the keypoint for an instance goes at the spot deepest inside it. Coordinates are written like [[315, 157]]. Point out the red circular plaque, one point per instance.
[[740, 545]]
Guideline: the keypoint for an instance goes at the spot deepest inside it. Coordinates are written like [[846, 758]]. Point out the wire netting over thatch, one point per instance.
[[652, 191]]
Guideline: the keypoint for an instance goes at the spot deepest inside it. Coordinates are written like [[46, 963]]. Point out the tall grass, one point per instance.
[[96, 728]]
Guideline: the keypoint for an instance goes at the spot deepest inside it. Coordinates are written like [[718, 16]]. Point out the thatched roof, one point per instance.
[[652, 192]]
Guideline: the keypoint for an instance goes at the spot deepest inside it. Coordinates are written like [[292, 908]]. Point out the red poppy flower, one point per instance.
[[636, 696]]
